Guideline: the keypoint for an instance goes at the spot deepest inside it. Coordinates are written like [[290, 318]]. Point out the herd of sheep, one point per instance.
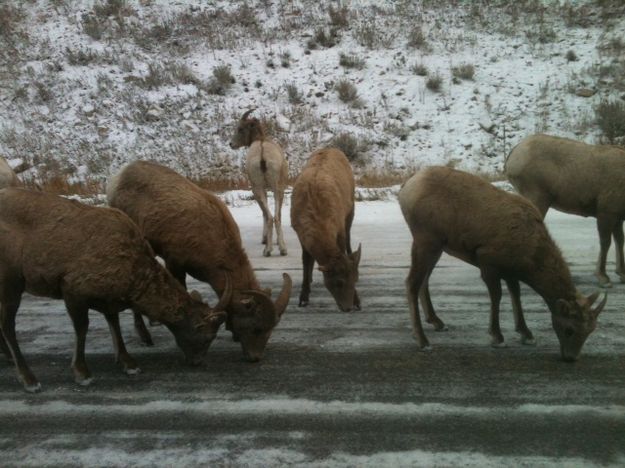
[[105, 258]]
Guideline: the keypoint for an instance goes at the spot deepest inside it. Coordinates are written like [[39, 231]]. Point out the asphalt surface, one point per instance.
[[334, 389]]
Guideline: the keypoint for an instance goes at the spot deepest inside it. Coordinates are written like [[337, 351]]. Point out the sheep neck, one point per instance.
[[159, 297], [551, 279]]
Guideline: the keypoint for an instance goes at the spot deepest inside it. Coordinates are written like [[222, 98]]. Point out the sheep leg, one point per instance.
[[605, 226], [425, 254], [279, 198], [493, 283], [619, 239], [8, 310], [141, 329], [307, 262], [121, 354], [348, 228], [5, 348], [428, 307], [517, 311], [261, 198], [79, 313]]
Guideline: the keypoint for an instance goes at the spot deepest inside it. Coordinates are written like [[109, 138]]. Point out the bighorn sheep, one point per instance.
[[92, 258], [267, 169], [193, 231], [7, 175], [504, 236], [322, 211], [577, 178]]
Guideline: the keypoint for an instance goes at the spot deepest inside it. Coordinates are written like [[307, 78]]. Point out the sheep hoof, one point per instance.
[[497, 343], [33, 387], [83, 382], [439, 326], [604, 281], [283, 252], [422, 344], [527, 341], [267, 253], [621, 277], [132, 371]]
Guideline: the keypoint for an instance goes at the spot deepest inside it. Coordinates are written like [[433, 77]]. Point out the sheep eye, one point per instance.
[[568, 332]]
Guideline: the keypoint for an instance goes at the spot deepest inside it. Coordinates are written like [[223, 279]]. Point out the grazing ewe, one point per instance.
[[7, 175], [504, 236], [322, 211], [577, 178], [267, 169], [193, 231], [92, 258]]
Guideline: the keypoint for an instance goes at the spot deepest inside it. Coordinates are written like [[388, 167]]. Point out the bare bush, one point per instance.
[[91, 26], [81, 57], [350, 146], [419, 69], [339, 16], [323, 38], [464, 71], [347, 91], [416, 38], [610, 117], [10, 19], [571, 56], [293, 93], [351, 61], [434, 83]]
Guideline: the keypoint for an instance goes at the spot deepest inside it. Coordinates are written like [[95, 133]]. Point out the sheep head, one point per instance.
[[340, 279], [248, 130], [197, 329], [253, 316], [573, 321]]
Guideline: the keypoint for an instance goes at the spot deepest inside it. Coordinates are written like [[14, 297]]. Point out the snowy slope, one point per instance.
[[77, 106]]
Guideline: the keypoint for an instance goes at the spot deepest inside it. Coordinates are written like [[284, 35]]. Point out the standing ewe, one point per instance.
[[577, 178], [92, 258], [504, 236], [193, 231], [267, 169], [322, 211], [7, 175]]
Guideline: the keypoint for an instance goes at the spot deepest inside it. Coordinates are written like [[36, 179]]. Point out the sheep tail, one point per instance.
[[263, 163]]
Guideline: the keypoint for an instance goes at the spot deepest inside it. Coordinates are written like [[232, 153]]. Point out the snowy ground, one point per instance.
[[335, 389]]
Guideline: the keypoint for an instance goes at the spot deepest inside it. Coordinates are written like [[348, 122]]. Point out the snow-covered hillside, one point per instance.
[[88, 86]]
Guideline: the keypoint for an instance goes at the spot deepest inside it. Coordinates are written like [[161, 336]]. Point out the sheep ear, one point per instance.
[[196, 296], [217, 318], [356, 255], [563, 308], [323, 268]]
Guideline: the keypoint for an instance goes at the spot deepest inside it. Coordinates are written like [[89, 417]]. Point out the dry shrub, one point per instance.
[[215, 184], [339, 16], [351, 146], [464, 71], [610, 117], [434, 83], [347, 91]]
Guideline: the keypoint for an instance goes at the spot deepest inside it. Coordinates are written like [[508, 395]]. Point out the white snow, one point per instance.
[[520, 86]]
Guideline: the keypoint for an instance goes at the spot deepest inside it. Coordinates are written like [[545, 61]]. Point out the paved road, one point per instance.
[[335, 389]]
